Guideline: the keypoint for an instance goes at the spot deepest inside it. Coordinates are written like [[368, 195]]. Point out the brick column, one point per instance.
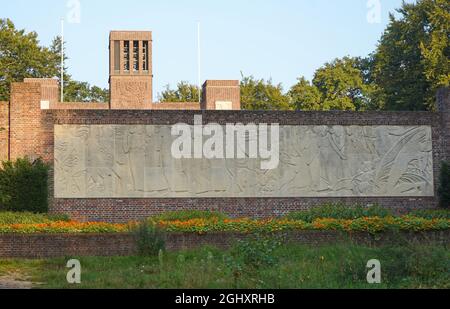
[[4, 131], [217, 94], [443, 104], [31, 130]]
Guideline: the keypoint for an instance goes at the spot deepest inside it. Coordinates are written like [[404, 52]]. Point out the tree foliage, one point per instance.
[[444, 185], [75, 91], [338, 85], [263, 95], [22, 56], [412, 58], [24, 186], [305, 96], [185, 92]]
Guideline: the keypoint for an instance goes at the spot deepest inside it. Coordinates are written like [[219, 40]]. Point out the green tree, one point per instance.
[[21, 56], [305, 96], [444, 185], [341, 85], [338, 85], [75, 91], [185, 92], [263, 95], [436, 49], [412, 57]]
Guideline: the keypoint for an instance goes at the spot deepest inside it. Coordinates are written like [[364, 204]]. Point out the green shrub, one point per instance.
[[7, 217], [188, 215], [444, 187], [339, 211], [432, 214], [255, 252], [24, 186], [149, 239]]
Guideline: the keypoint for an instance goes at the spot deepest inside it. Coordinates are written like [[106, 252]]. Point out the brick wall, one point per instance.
[[26, 121], [221, 90], [49, 88], [79, 105], [176, 106], [32, 135], [123, 210], [76, 245], [4, 130], [443, 103]]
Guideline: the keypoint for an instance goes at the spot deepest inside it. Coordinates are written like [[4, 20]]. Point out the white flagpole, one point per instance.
[[62, 60], [199, 62]]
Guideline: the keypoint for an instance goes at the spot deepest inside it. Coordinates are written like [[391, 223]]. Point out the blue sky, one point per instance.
[[278, 39]]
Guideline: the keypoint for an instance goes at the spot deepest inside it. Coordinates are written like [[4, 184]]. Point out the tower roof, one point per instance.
[[130, 35]]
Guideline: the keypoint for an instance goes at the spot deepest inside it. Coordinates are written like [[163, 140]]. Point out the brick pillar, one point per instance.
[[49, 89], [31, 129], [4, 131], [443, 104], [221, 94]]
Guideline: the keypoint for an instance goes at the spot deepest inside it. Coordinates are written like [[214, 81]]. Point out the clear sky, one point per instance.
[[278, 39]]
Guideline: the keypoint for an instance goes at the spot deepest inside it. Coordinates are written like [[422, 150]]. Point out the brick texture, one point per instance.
[[4, 130], [221, 90], [123, 210], [38, 246], [49, 88], [32, 135], [443, 103], [176, 106]]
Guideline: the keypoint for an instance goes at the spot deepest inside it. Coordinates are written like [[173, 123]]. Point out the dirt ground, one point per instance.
[[15, 281]]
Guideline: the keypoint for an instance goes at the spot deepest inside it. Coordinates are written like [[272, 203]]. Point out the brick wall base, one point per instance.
[[126, 210], [36, 246]]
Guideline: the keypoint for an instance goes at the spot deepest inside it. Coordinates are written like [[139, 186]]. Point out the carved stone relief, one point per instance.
[[135, 161]]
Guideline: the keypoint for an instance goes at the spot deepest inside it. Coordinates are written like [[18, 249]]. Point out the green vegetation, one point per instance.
[[7, 217], [259, 94], [339, 211], [149, 239], [23, 186], [409, 64], [22, 57], [432, 214], [185, 92], [293, 266], [185, 215], [412, 58], [444, 187]]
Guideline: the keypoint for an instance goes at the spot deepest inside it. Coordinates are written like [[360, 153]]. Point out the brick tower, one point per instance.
[[130, 70]]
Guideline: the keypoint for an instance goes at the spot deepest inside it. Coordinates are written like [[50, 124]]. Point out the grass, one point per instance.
[[335, 266], [9, 217]]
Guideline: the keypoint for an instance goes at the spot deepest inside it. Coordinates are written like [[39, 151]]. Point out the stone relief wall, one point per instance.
[[135, 161]]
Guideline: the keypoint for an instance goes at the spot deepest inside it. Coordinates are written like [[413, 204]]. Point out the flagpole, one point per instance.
[[199, 62], [62, 60]]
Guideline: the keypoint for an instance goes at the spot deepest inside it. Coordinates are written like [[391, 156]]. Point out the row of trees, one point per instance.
[[22, 56], [410, 63]]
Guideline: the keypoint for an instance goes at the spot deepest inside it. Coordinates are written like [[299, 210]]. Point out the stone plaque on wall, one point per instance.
[[135, 161]]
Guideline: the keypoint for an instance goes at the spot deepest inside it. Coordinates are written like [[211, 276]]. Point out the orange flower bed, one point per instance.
[[242, 225]]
